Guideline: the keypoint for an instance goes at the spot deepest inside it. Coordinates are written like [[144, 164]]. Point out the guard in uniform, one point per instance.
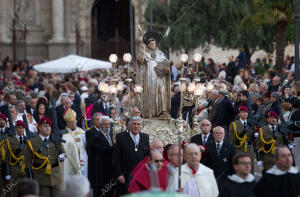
[[42, 157], [270, 137], [241, 135], [14, 163], [3, 136]]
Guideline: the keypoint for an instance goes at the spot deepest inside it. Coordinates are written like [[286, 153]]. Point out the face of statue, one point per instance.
[[152, 45]]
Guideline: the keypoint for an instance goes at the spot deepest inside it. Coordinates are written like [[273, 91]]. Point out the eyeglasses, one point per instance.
[[157, 161], [245, 163]]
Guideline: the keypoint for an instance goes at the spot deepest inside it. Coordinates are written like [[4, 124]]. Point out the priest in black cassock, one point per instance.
[[282, 180], [241, 183]]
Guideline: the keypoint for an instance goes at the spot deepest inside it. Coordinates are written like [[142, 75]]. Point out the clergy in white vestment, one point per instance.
[[78, 136], [72, 163], [196, 179]]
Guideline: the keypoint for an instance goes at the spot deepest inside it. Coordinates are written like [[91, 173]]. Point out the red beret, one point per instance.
[[20, 123], [243, 108], [45, 120], [1, 92], [3, 117], [18, 83], [27, 90], [271, 113]]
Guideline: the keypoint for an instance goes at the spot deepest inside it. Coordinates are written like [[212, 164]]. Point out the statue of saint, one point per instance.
[[153, 74]]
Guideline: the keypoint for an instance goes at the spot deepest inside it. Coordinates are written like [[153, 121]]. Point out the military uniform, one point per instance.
[[3, 137], [241, 137], [42, 155], [267, 142], [14, 151]]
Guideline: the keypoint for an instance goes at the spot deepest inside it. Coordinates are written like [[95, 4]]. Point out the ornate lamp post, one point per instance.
[[197, 58]]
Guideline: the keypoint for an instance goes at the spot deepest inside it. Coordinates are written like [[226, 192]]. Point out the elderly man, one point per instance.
[[173, 151], [274, 86], [155, 145], [219, 156], [282, 179], [131, 148], [196, 179], [100, 149], [205, 137], [155, 165], [77, 186], [241, 183]]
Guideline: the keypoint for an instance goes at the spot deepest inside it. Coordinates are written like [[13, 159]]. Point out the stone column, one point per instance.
[[57, 21], [4, 19]]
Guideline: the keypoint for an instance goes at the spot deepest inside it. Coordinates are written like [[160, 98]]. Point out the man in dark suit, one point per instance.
[[205, 137], [131, 148], [32, 105], [100, 155], [219, 156], [102, 105], [60, 110], [224, 111]]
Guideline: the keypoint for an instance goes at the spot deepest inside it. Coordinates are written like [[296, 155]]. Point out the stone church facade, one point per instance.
[[48, 29]]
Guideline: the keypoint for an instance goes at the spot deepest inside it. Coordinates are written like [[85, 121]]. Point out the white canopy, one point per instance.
[[70, 64]]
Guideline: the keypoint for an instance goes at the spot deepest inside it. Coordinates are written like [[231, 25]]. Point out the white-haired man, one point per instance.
[[77, 186], [131, 148], [196, 178], [100, 148]]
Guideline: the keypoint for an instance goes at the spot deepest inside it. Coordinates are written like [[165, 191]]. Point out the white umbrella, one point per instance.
[[70, 64]]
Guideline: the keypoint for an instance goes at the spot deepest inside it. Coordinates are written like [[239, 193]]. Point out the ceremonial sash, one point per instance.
[[46, 160], [264, 142], [18, 159], [243, 140]]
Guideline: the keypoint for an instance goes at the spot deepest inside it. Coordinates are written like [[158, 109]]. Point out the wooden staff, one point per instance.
[[84, 115]]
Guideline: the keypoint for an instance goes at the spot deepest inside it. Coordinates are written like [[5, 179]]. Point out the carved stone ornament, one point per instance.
[[165, 131]]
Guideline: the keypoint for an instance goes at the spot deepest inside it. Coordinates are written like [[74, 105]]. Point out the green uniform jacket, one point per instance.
[[15, 170], [240, 129], [52, 153], [268, 158]]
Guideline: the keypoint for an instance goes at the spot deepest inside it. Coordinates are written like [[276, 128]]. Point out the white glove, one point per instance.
[[7, 177], [260, 164], [256, 135], [291, 146], [62, 157]]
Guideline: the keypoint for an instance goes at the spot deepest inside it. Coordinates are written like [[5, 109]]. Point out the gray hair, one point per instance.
[[77, 186], [170, 149], [219, 128], [104, 118], [205, 120], [134, 118], [152, 152], [191, 145]]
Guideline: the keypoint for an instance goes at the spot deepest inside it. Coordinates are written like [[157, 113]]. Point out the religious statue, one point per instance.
[[153, 73]]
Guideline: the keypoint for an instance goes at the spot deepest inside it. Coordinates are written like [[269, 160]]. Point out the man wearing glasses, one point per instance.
[[147, 174], [242, 182]]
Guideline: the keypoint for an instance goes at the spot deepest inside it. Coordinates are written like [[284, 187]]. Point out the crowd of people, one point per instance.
[[55, 126]]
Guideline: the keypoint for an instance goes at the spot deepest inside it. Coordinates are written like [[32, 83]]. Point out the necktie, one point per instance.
[[273, 128], [218, 148], [136, 141], [204, 139], [108, 139], [245, 125], [21, 140]]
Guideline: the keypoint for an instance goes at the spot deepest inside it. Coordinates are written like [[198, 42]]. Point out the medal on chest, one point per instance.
[[135, 148]]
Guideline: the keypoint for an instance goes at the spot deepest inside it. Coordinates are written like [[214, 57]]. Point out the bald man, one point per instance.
[[155, 145], [196, 178]]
